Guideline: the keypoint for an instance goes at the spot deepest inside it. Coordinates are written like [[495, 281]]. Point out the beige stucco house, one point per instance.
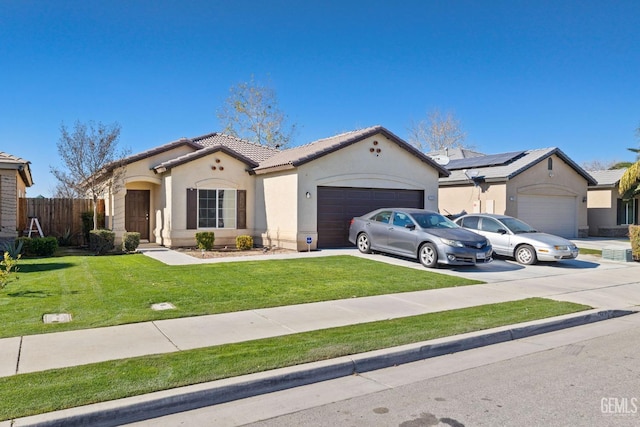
[[609, 214], [543, 187], [282, 198], [15, 177]]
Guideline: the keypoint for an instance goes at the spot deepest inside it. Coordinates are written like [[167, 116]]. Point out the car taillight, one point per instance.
[[351, 222]]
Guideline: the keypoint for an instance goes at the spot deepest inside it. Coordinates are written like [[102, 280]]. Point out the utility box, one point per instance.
[[617, 254]]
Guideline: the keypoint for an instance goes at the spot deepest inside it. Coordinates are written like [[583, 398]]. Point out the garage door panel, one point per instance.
[[551, 214], [337, 205]]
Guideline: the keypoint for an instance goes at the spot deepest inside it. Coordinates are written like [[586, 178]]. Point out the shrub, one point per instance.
[[244, 242], [634, 237], [130, 241], [25, 243], [66, 239], [101, 241], [87, 225], [8, 266], [13, 249], [39, 246], [205, 240]]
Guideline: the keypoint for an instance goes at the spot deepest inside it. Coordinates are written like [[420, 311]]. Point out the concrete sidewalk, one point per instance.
[[609, 288]]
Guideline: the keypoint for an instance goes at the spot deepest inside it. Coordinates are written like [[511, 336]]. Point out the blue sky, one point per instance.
[[517, 74]]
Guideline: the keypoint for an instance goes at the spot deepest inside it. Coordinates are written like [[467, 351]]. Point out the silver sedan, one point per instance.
[[418, 233], [516, 239]]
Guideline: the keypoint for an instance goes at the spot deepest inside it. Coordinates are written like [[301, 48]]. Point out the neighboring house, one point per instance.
[[283, 198], [542, 187], [15, 177], [609, 214]]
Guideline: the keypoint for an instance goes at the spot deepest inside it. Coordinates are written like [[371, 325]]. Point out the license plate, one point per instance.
[[481, 255]]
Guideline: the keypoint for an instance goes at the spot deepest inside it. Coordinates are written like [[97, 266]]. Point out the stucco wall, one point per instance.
[[484, 198], [277, 209], [199, 174], [139, 176], [291, 216], [562, 180], [502, 197], [601, 207]]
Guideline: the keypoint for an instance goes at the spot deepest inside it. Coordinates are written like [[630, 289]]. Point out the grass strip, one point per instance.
[[34, 393], [587, 251], [113, 290]]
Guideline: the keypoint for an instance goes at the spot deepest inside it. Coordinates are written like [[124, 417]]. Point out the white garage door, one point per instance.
[[551, 214]]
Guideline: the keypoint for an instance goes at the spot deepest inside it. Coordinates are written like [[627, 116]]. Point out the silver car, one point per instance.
[[417, 233], [516, 239]]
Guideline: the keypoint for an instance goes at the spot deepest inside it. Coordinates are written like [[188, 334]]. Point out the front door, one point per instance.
[[136, 212]]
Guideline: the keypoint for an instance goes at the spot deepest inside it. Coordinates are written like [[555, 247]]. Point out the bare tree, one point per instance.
[[437, 132], [251, 112], [600, 165], [63, 191], [91, 157]]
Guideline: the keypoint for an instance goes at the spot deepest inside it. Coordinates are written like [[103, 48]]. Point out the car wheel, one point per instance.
[[363, 243], [428, 255], [525, 254]]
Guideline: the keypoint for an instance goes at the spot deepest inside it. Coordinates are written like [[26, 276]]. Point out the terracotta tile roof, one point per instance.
[[263, 159], [300, 155], [255, 152], [201, 153]]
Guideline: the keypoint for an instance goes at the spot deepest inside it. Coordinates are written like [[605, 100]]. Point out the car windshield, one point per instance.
[[433, 220], [517, 227]]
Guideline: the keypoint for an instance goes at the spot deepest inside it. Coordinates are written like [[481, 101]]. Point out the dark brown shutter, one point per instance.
[[192, 209], [241, 213]]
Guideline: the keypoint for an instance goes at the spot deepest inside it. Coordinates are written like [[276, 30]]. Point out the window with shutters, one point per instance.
[[217, 208]]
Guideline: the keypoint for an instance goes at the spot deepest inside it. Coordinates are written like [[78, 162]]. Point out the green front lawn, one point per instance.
[[34, 393], [111, 290]]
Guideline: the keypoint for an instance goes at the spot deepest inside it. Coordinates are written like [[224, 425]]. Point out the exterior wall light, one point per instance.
[[308, 195]]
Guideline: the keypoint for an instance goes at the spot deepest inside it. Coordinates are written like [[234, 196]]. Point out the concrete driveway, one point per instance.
[[504, 269], [588, 279]]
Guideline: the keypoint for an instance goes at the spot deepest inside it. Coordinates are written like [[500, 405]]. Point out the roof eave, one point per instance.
[[277, 168], [202, 153]]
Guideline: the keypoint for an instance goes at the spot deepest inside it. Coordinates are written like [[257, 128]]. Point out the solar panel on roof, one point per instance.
[[484, 161]]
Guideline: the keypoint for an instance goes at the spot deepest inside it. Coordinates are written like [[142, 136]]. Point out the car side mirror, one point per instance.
[[502, 231], [410, 226]]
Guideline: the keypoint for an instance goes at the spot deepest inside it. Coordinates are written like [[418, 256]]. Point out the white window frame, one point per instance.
[[220, 223], [626, 206]]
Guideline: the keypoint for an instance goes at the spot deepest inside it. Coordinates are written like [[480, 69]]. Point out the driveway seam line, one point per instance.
[[165, 335], [19, 354]]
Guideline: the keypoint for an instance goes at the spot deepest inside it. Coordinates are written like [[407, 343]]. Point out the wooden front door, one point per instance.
[[136, 212]]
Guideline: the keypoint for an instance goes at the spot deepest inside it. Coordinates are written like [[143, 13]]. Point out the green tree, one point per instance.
[[629, 185], [91, 158], [251, 112]]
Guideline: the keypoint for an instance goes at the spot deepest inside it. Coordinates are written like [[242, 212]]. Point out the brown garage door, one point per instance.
[[337, 205]]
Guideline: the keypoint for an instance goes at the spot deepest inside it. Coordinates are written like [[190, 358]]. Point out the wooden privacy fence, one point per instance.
[[58, 217]]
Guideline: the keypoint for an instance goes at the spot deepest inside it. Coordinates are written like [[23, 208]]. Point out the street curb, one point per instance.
[[153, 405]]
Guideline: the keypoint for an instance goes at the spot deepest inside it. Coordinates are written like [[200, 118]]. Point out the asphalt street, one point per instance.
[[583, 376]]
